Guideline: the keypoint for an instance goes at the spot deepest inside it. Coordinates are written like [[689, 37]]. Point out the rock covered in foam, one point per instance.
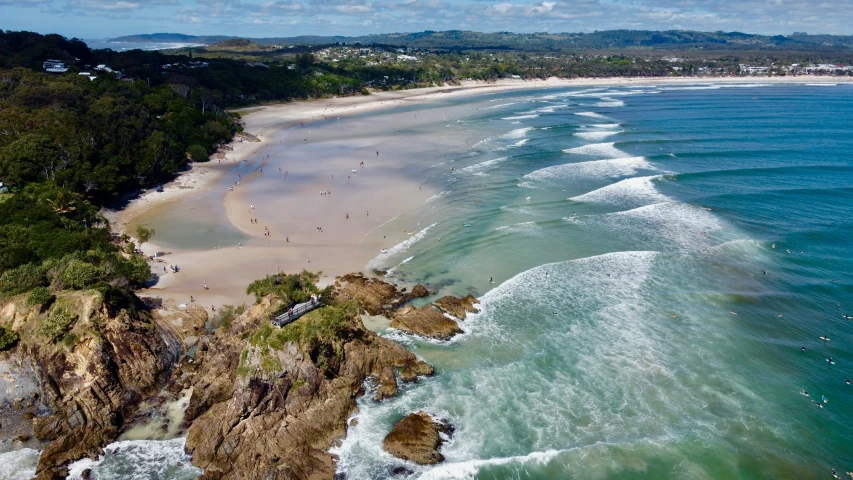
[[458, 307], [425, 321], [417, 437]]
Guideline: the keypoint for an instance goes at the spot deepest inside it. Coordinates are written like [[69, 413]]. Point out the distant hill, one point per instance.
[[672, 40], [170, 38], [610, 39]]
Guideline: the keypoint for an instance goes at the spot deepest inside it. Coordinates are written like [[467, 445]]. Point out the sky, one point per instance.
[[95, 19]]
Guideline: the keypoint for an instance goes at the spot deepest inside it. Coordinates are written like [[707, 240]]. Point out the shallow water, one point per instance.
[[630, 331]]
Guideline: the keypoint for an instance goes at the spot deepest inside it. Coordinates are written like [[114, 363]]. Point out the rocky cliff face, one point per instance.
[[94, 378], [293, 393]]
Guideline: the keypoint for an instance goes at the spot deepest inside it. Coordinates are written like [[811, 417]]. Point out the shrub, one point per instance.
[[79, 274], [57, 323], [197, 153], [22, 279], [293, 287], [39, 296], [8, 338], [130, 248], [144, 234], [70, 339]]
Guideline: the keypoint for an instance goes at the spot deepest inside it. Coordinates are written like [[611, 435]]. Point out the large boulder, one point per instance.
[[458, 307], [425, 321], [419, 291], [371, 294], [417, 437]]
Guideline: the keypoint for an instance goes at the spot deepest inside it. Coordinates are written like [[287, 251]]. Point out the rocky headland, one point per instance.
[[265, 402]]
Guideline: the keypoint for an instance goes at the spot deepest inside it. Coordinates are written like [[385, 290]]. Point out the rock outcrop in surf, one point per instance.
[[425, 321], [417, 438], [458, 307]]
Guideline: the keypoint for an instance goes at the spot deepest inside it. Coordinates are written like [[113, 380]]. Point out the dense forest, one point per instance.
[[69, 145]]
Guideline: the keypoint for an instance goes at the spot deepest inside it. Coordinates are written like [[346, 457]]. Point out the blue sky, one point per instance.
[[267, 18]]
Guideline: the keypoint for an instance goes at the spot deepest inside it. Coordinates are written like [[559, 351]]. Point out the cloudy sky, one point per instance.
[[267, 18]]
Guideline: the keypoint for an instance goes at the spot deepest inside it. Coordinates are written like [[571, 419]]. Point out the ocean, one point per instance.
[[656, 267], [101, 44]]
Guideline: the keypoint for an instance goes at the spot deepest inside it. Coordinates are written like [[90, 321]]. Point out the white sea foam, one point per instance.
[[521, 117], [393, 271], [821, 84], [597, 135], [479, 167], [139, 460], [526, 228], [590, 114], [499, 106], [550, 109], [606, 125], [436, 196], [403, 246], [607, 150], [19, 463], [617, 167], [609, 102], [677, 225], [517, 133], [468, 470], [630, 192]]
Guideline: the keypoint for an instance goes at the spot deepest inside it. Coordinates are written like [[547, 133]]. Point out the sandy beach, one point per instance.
[[323, 189]]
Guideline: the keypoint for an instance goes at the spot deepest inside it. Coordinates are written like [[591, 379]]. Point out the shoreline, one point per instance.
[[342, 250], [263, 123]]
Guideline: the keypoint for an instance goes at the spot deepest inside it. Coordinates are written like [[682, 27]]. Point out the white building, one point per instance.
[[54, 66]]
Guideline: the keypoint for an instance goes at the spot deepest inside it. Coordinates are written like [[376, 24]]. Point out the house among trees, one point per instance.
[[54, 66]]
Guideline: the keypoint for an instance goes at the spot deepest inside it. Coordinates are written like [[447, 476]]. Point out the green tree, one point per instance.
[[144, 234], [197, 153]]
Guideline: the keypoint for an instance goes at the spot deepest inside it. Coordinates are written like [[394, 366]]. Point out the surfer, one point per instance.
[[847, 381], [491, 280], [830, 361], [805, 392], [803, 349]]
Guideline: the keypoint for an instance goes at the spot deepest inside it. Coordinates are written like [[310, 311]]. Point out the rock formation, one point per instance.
[[458, 307], [425, 321], [375, 296], [292, 394], [112, 356], [417, 437]]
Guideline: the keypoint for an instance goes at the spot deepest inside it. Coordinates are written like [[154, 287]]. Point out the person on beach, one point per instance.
[[206, 287], [212, 307], [192, 299], [287, 239], [347, 216]]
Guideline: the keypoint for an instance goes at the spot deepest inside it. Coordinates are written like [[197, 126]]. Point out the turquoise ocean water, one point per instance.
[[641, 324], [632, 331]]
